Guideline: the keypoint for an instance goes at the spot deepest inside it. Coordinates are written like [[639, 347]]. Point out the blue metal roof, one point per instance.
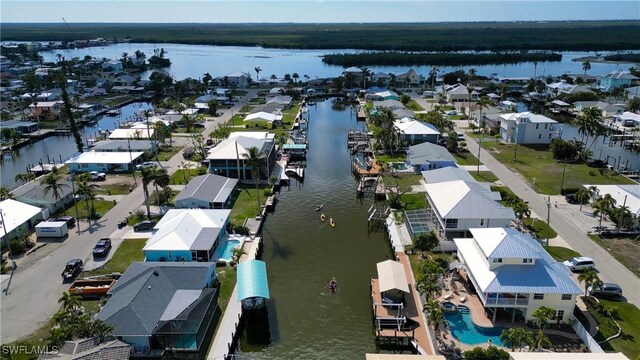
[[252, 280], [294, 146]]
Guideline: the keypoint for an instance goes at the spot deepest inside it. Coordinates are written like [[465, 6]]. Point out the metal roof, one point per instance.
[[466, 200], [188, 229], [448, 173], [210, 188], [421, 153], [391, 276], [252, 280]]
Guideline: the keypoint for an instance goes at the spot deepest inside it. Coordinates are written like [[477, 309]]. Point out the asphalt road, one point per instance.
[[33, 295], [610, 269]]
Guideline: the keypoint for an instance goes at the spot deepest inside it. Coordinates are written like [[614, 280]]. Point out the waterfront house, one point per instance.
[[282, 101], [449, 173], [89, 349], [390, 104], [428, 156], [262, 119], [618, 79], [156, 306], [527, 128], [354, 72], [187, 235], [632, 92], [21, 127], [383, 95], [408, 78], [414, 132], [46, 110], [238, 79], [137, 133], [462, 205], [403, 113], [381, 78], [627, 119], [18, 218], [112, 66], [228, 157], [624, 195], [456, 93], [207, 192], [34, 194], [109, 162], [145, 146], [608, 110], [513, 275], [562, 87]]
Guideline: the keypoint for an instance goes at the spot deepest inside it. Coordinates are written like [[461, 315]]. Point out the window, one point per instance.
[[527, 261], [559, 314], [539, 136], [537, 126], [451, 223], [497, 260], [538, 296], [545, 126], [566, 296], [481, 222]]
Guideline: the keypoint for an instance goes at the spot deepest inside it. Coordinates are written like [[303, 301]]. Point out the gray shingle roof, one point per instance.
[[210, 188], [421, 153], [144, 291]]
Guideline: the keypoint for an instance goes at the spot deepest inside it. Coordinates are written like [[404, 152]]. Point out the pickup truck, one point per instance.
[[91, 287], [98, 176], [72, 269]]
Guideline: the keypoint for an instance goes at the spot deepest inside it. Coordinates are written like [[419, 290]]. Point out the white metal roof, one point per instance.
[[619, 192], [187, 229], [15, 213], [391, 276], [460, 199], [415, 127], [131, 133], [528, 116], [263, 116], [503, 243], [93, 157]]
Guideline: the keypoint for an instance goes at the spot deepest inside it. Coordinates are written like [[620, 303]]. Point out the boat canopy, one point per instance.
[[391, 276], [252, 280]]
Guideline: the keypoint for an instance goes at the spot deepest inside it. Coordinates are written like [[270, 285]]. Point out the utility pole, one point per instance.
[[75, 203], [131, 161], [564, 168], [548, 217], [479, 147]]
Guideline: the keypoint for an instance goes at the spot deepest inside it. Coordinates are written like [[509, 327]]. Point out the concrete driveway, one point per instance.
[[32, 298]]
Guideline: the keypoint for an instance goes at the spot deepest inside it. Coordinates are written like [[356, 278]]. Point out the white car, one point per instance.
[[580, 263], [146, 164], [98, 175]]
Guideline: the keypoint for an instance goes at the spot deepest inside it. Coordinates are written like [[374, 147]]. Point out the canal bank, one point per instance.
[[303, 253]]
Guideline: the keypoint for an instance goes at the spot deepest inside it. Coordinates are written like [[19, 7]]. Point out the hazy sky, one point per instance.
[[211, 11]]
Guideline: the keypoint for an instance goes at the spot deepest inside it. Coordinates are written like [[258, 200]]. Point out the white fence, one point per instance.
[[592, 345]]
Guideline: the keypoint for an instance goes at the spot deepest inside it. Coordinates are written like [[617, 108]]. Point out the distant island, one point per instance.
[[440, 37]]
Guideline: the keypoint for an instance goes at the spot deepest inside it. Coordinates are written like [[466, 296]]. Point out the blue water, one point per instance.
[[466, 332], [225, 251]]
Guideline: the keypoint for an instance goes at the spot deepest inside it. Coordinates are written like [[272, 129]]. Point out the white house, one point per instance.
[[514, 275], [608, 110], [526, 128], [624, 195], [123, 161], [17, 218], [408, 78], [414, 131], [627, 119], [383, 95], [456, 93], [187, 235], [207, 192], [228, 157], [262, 118], [462, 205], [238, 79], [562, 87], [132, 133]]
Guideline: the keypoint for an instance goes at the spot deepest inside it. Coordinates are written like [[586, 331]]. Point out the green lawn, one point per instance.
[[168, 152], [624, 250], [182, 177], [246, 204], [413, 201], [537, 165], [115, 189], [413, 105], [288, 116], [134, 219], [628, 316], [484, 176], [227, 277], [101, 206], [387, 158], [236, 120], [129, 251], [561, 253], [465, 158], [404, 181], [539, 227], [194, 130], [91, 306]]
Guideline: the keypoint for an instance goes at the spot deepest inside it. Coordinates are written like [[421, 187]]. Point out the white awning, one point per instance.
[[391, 276]]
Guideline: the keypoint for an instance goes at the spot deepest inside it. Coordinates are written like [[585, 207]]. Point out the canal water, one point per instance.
[[303, 253], [59, 147], [195, 60]]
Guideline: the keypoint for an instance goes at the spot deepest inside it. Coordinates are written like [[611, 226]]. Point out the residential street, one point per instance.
[[610, 269], [34, 290]]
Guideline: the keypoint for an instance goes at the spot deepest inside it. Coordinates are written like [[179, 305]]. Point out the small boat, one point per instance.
[[319, 207], [333, 286], [333, 224], [322, 217]]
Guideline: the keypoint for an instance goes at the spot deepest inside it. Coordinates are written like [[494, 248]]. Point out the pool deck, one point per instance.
[[457, 288]]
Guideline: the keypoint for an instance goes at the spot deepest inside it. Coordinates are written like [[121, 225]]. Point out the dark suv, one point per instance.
[[71, 221], [606, 290], [102, 247], [144, 225]]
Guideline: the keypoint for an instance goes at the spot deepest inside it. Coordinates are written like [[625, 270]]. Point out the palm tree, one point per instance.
[[586, 66], [5, 193], [434, 313], [185, 169], [70, 303], [483, 102], [257, 69], [590, 278], [515, 337], [295, 77], [161, 179], [147, 178], [433, 74], [582, 196], [521, 209], [236, 254], [543, 314], [87, 192], [634, 104], [52, 185], [101, 329], [256, 160], [603, 206], [540, 341]]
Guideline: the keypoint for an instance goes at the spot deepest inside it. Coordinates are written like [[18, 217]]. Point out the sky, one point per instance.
[[313, 11]]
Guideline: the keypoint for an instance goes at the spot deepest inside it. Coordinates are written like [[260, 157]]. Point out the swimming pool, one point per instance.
[[463, 329], [225, 250]]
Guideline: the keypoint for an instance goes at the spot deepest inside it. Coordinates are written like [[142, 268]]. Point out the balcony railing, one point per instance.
[[507, 301]]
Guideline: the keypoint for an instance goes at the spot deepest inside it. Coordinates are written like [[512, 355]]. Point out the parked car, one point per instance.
[[597, 163], [102, 247], [580, 263], [71, 221], [144, 225], [606, 290], [460, 136], [571, 198], [98, 176], [72, 269], [146, 165]]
